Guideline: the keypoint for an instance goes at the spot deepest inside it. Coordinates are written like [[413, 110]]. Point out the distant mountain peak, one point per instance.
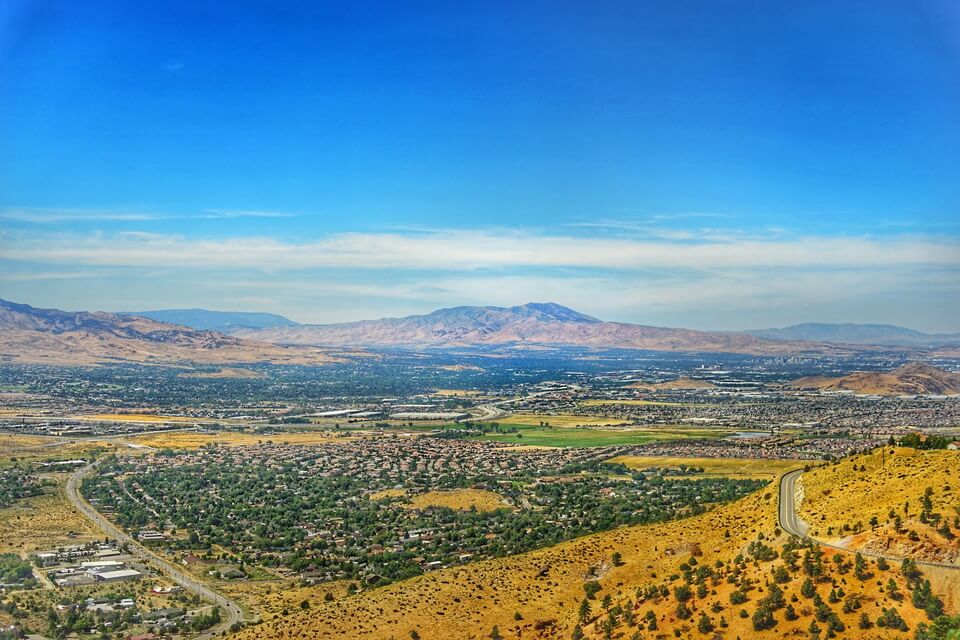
[[487, 317], [555, 311]]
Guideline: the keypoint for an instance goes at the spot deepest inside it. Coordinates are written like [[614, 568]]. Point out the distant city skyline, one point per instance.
[[730, 166]]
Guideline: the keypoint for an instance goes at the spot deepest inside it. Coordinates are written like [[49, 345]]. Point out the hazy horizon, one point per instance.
[[426, 312]]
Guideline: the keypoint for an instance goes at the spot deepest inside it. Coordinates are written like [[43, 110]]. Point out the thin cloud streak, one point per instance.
[[35, 215], [472, 250]]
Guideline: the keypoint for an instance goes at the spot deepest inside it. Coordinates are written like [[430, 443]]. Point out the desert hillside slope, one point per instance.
[[736, 547], [52, 336], [910, 379], [894, 519], [531, 323], [674, 385]]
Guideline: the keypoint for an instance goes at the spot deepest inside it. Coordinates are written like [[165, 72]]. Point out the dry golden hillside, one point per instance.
[[910, 379], [544, 587], [463, 499], [875, 501], [539, 594], [51, 336], [678, 384]]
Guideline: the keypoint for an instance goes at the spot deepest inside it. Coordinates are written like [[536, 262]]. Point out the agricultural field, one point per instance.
[[460, 499], [760, 469], [560, 420]]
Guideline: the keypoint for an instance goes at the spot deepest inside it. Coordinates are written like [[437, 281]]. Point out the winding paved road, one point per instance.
[[793, 524], [232, 612]]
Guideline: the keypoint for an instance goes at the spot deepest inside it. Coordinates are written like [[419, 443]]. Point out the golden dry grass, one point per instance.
[[872, 593], [11, 444], [461, 499], [388, 493], [840, 494], [191, 440], [43, 522], [270, 598], [465, 602], [679, 383], [40, 448], [743, 468]]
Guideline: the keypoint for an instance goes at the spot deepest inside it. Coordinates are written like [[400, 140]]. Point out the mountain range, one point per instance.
[[849, 333], [29, 334], [32, 335], [910, 379], [528, 324]]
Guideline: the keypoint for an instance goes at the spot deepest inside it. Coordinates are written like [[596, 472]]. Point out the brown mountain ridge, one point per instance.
[[528, 324], [52, 336], [910, 379]]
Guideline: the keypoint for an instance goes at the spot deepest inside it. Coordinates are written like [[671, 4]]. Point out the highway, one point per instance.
[[230, 610], [791, 522]]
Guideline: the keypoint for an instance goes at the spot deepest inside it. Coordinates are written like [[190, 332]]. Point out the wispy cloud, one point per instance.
[[49, 216], [37, 215], [482, 249], [244, 213], [46, 275], [702, 281]]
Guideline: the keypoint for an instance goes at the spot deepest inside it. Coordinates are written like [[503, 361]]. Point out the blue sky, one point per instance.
[[710, 165]]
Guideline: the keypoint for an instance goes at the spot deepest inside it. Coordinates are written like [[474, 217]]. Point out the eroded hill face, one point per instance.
[[641, 573], [31, 335], [911, 379]]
